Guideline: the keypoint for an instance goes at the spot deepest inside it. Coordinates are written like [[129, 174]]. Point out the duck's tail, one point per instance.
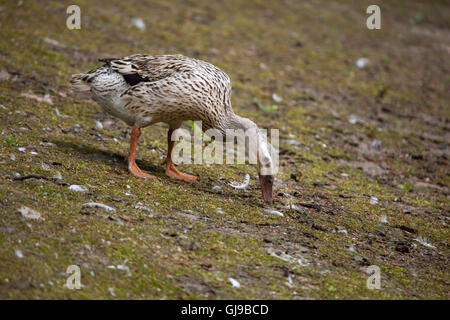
[[80, 83]]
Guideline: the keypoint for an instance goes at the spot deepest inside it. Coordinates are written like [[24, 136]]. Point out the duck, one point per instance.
[[142, 90]]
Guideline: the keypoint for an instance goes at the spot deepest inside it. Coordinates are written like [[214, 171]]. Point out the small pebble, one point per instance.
[[99, 205], [234, 283], [111, 291], [98, 124], [30, 213], [362, 62], [274, 212], [353, 119], [277, 98], [138, 23], [18, 253], [78, 188]]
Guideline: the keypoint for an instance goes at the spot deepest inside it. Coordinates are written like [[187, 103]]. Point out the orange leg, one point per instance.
[[132, 166], [171, 171]]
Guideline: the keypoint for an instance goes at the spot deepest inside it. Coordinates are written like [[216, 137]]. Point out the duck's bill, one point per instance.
[[266, 186]]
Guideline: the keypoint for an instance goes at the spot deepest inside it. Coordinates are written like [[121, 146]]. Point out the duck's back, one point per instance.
[[164, 88]]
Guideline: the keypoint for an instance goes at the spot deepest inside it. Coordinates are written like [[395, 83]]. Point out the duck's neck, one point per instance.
[[235, 122]]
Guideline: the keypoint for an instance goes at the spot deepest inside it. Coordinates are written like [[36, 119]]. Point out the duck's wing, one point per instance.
[[173, 85], [156, 81], [140, 67]]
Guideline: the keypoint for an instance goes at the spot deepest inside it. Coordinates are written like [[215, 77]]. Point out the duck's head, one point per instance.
[[259, 149]]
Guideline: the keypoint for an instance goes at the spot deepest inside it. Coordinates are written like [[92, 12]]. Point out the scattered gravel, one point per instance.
[[30, 213], [362, 62], [99, 205], [234, 283], [78, 188], [138, 23]]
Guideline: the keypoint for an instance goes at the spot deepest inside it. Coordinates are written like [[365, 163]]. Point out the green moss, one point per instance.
[[186, 248]]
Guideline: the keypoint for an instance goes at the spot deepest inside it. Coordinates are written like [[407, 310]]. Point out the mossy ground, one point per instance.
[[187, 248]]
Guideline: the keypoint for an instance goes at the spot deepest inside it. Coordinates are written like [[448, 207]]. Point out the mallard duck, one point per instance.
[[143, 90]]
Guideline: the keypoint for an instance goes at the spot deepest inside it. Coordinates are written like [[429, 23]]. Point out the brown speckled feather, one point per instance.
[[176, 88], [142, 90], [153, 68]]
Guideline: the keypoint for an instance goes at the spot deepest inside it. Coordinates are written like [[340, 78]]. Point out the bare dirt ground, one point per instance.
[[364, 177]]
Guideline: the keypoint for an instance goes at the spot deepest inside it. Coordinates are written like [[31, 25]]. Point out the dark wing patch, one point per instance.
[[133, 79], [139, 68]]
